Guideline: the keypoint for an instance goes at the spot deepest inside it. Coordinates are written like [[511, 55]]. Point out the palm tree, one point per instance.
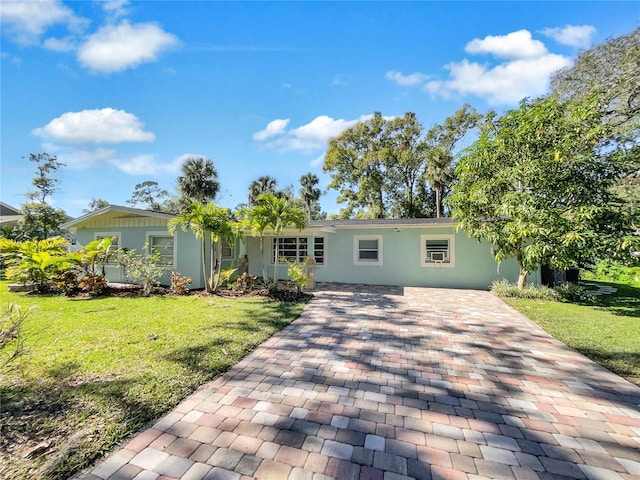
[[276, 214], [202, 219], [439, 173], [309, 192], [199, 180], [263, 184]]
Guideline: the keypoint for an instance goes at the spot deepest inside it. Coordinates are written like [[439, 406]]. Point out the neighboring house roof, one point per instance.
[[9, 214], [117, 213], [382, 222]]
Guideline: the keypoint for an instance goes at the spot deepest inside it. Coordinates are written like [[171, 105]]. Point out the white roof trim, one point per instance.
[[116, 208]]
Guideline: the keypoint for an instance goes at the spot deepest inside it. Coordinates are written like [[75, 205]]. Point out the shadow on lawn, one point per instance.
[[625, 301]]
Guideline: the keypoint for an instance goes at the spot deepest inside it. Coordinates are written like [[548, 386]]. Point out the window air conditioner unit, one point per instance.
[[438, 256]]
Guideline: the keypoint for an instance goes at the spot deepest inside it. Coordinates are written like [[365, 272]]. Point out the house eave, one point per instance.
[[128, 211]]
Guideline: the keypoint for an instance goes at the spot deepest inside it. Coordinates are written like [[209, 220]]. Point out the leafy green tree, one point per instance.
[[309, 192], [199, 180], [263, 184], [611, 71], [275, 214], [148, 195], [40, 220], [376, 166], [441, 140], [44, 182], [96, 204], [535, 185]]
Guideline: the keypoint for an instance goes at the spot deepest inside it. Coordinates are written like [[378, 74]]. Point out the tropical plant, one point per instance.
[[309, 192], [145, 269], [179, 283], [263, 184], [202, 219], [35, 261], [297, 273], [199, 180], [275, 214]]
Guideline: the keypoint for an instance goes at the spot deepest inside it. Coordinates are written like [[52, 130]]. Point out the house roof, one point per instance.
[[382, 222], [124, 212], [9, 214]]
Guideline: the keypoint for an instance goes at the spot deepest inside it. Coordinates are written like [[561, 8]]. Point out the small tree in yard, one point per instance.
[[144, 269], [536, 186], [275, 214], [35, 261]]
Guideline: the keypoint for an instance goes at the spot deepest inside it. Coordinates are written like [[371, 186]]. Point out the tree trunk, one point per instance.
[[275, 267], [204, 265], [212, 263], [437, 202], [262, 267]]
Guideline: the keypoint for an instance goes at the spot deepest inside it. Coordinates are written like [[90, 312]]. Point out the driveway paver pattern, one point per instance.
[[394, 383]]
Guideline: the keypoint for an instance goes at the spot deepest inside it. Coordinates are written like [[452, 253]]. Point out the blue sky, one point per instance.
[[122, 91]]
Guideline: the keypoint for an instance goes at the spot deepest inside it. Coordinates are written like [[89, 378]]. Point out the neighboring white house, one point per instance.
[[405, 252]]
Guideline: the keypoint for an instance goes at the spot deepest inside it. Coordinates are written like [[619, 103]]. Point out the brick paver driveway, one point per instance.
[[389, 383]]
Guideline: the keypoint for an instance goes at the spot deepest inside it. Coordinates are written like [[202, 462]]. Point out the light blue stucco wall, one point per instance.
[[474, 267], [187, 251]]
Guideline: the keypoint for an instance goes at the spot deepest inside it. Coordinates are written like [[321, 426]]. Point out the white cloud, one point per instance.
[[410, 80], [572, 35], [524, 71], [317, 162], [147, 164], [513, 45], [506, 83], [80, 159], [96, 126], [26, 21], [59, 44], [273, 128], [116, 8], [314, 135], [115, 48]]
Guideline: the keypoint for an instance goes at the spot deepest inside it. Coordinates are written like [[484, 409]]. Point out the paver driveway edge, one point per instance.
[[392, 383]]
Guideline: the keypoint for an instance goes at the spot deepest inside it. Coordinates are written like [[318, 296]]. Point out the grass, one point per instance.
[[98, 370], [607, 329]]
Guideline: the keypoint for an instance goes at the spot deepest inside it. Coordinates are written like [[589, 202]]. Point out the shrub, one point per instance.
[[572, 292], [245, 282], [297, 274], [503, 288], [144, 269], [93, 283], [67, 282], [610, 271], [225, 276], [179, 283]]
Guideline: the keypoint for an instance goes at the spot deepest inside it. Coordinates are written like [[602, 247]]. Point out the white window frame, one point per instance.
[[356, 250], [297, 237], [325, 256], [112, 259], [452, 251], [118, 235], [175, 246]]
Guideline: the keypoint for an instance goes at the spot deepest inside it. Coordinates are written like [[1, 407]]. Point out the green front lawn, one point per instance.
[[98, 370], [606, 330]]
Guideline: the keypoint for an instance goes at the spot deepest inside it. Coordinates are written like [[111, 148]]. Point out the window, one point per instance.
[[115, 244], [227, 250], [367, 250], [114, 237], [437, 250], [319, 246], [164, 246], [291, 249]]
